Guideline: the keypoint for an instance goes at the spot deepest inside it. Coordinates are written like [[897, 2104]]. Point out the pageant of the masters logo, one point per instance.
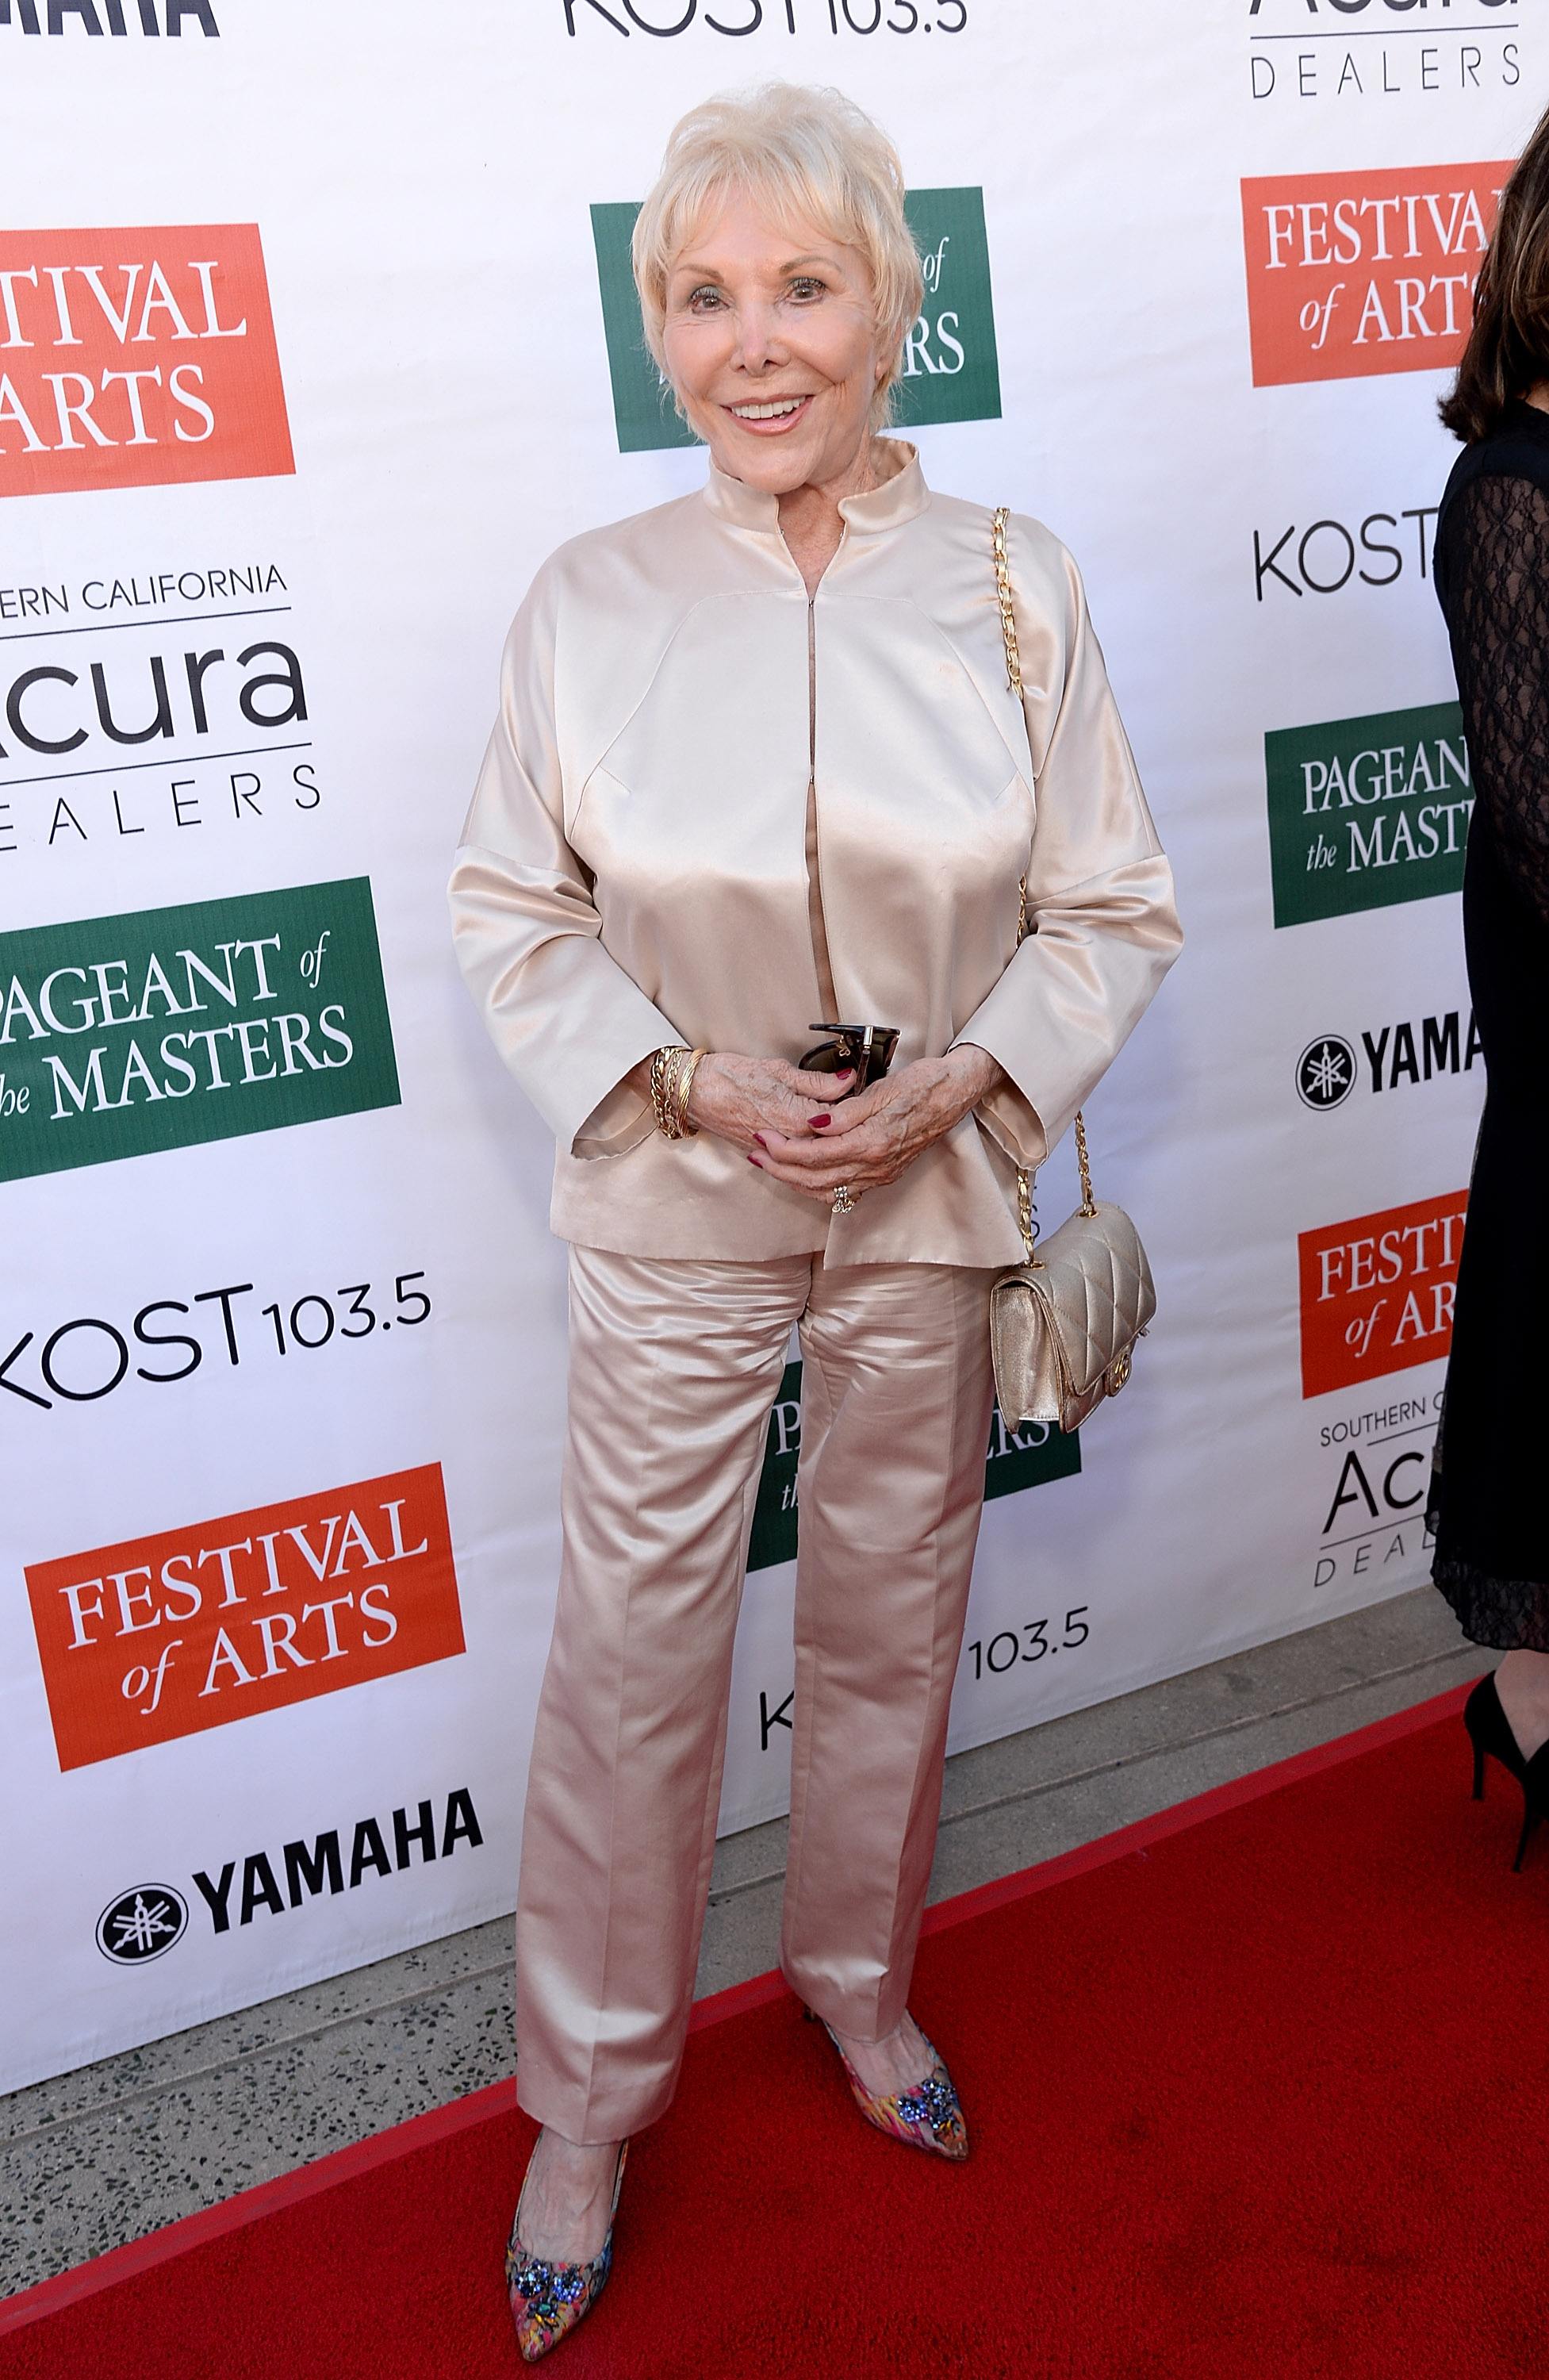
[[1366, 812], [124, 1035], [950, 367], [1016, 1459]]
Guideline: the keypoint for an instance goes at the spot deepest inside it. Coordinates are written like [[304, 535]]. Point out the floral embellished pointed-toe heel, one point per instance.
[[547, 2299], [929, 2117]]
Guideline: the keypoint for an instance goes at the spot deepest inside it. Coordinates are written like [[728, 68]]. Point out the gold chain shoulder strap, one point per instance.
[[1008, 623], [1014, 685]]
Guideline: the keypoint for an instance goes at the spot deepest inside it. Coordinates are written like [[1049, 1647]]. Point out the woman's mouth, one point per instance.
[[769, 415]]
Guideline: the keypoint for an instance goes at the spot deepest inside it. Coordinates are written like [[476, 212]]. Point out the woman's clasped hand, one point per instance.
[[804, 1131]]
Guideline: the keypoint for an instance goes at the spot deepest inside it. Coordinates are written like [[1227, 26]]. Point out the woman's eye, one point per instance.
[[806, 288], [704, 301]]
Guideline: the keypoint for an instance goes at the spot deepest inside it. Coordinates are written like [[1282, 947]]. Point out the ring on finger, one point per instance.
[[844, 1202]]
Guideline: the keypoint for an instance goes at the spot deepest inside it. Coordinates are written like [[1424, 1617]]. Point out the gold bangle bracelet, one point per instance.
[[686, 1071]]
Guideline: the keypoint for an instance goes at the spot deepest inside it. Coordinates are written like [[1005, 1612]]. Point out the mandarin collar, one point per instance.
[[898, 500]]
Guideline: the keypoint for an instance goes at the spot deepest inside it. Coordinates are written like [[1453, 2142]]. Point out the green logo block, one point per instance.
[[950, 371], [121, 1037], [1016, 1460], [1365, 812], [1027, 1458], [774, 1515]]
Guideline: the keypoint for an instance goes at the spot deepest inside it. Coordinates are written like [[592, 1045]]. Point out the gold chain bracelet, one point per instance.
[[671, 1081], [663, 1098]]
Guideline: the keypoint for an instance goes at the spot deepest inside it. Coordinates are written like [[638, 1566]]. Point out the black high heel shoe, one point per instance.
[[1490, 1732]]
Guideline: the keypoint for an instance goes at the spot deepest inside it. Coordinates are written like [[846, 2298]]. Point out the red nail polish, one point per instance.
[[760, 1139], [818, 1123], [753, 1161]]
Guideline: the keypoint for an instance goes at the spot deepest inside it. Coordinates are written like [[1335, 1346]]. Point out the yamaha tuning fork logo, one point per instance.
[[1325, 1071], [141, 1923]]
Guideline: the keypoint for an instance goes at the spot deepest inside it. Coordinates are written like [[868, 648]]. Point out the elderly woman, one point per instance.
[[757, 763]]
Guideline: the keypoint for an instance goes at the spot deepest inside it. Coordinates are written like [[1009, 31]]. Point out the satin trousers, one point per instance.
[[673, 1370]]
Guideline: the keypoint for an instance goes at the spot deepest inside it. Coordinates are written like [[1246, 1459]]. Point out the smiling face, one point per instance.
[[771, 342]]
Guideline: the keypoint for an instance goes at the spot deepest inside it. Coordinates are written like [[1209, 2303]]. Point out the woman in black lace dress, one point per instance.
[[1488, 1512]]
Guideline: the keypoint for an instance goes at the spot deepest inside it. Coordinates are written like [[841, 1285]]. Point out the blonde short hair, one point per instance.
[[800, 151]]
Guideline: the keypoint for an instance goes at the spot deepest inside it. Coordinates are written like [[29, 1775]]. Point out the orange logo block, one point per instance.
[[1376, 1292], [131, 358], [1352, 274], [198, 1626]]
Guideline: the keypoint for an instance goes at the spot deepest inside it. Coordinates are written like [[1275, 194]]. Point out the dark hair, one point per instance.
[[1509, 346]]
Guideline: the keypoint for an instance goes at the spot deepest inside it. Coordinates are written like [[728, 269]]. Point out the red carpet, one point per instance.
[[1256, 2088]]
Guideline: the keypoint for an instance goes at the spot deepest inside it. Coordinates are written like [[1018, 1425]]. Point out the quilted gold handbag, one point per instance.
[[1064, 1322]]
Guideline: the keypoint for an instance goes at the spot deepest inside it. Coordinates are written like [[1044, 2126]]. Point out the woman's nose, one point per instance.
[[760, 347]]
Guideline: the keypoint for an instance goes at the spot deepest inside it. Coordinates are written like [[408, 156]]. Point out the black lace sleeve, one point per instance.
[[1497, 584]]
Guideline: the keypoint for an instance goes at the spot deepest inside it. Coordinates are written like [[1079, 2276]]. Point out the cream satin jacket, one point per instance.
[[634, 865]]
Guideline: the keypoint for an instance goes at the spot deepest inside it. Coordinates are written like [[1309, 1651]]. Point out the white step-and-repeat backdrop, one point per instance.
[[315, 338]]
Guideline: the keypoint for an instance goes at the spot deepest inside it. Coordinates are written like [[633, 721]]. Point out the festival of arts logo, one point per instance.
[[121, 1037], [1377, 1292], [200, 1625], [1358, 273], [1366, 812], [951, 369], [135, 357]]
